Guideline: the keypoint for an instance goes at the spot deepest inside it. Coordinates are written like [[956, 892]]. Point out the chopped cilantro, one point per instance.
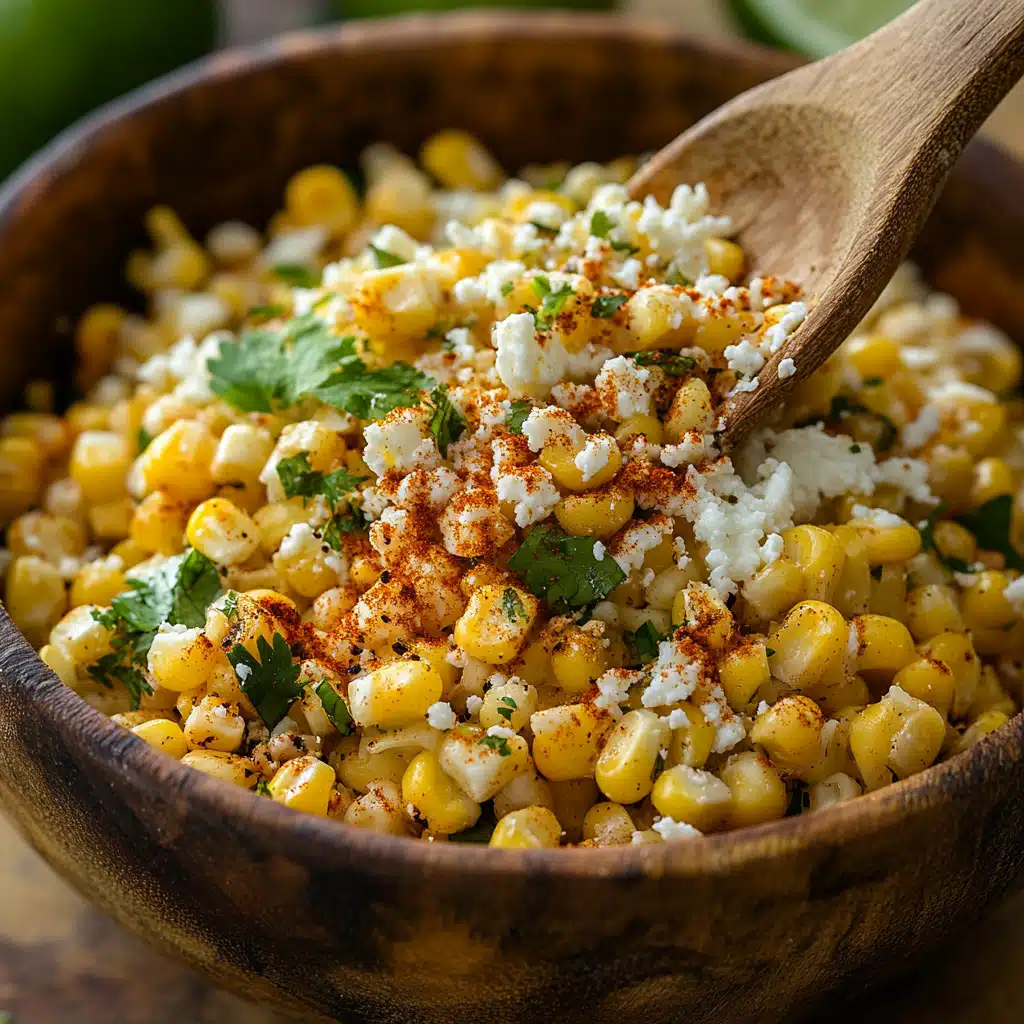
[[928, 541], [842, 406], [230, 605], [643, 642], [512, 605], [600, 224], [625, 247], [349, 520], [385, 259], [506, 289], [439, 330], [372, 394], [992, 525], [447, 424], [480, 833], [770, 651], [300, 481], [334, 707], [544, 229], [659, 766], [677, 280], [145, 439], [563, 570], [553, 301], [605, 306], [271, 682], [112, 667], [672, 363], [871, 382], [498, 743], [297, 275], [506, 705], [262, 789], [517, 415], [266, 312]]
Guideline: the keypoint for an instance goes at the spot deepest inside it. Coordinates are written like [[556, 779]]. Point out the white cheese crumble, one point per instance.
[[877, 516], [669, 829], [441, 716], [787, 368], [551, 422], [501, 732], [627, 389], [1014, 593], [599, 551], [474, 703], [776, 335], [595, 455], [919, 432], [744, 358], [400, 442], [674, 676]]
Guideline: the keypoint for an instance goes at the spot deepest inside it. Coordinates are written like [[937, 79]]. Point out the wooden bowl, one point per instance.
[[347, 924]]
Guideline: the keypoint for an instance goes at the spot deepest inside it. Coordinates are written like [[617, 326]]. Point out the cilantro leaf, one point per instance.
[[178, 592], [269, 312], [678, 280], [600, 224], [553, 301], [643, 642], [197, 586], [372, 394], [297, 478], [512, 605], [112, 667], [517, 415], [262, 789], [479, 833], [334, 707], [632, 250], [270, 682], [447, 424], [674, 364], [991, 525], [498, 743], [544, 229], [145, 439], [350, 520], [563, 570], [605, 306], [339, 484], [385, 259], [297, 275], [928, 542], [506, 289], [230, 605], [506, 705]]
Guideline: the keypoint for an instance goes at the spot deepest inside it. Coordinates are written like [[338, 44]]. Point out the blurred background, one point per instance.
[[62, 961]]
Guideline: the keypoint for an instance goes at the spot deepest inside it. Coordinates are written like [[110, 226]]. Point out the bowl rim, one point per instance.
[[109, 747]]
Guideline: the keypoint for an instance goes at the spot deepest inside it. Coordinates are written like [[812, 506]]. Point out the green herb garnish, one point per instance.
[[506, 289], [447, 424], [144, 440], [600, 224], [632, 250], [498, 743], [517, 415], [297, 275], [271, 681], [230, 604], [512, 605], [643, 642], [563, 570], [506, 706], [262, 789], [348, 520], [301, 481], [605, 306], [334, 706], [672, 363], [385, 259], [770, 651], [553, 301], [269, 312], [544, 229], [992, 525]]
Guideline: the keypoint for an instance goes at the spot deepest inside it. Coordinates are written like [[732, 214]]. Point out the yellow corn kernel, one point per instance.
[[567, 740], [933, 609], [808, 645], [97, 338], [991, 694], [181, 660], [608, 824], [111, 520], [691, 743], [380, 810], [889, 593], [625, 768], [690, 410], [771, 592], [951, 475], [852, 592], [694, 796], [49, 536], [743, 671], [212, 725], [983, 603], [526, 790], [508, 704], [222, 532], [49, 432], [987, 722], [274, 522], [821, 557], [599, 513], [435, 796], [992, 479], [919, 735], [158, 524], [322, 195], [957, 651], [80, 637], [577, 659], [35, 597], [884, 645], [480, 763], [570, 467], [758, 794], [304, 784], [705, 613], [180, 266], [833, 790], [873, 355], [720, 330], [458, 160], [163, 734], [954, 541], [979, 426], [528, 828], [98, 582], [790, 732], [724, 257], [495, 623], [82, 416], [241, 454], [60, 663], [400, 303], [394, 694], [885, 544], [358, 769], [930, 680], [177, 461], [21, 476], [639, 424], [233, 768]]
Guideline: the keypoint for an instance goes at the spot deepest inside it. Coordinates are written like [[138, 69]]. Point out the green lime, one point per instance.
[[379, 8], [61, 58], [815, 28]]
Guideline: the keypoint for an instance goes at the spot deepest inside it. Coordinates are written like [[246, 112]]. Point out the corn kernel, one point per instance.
[[884, 645], [233, 768], [929, 680], [181, 659], [758, 794], [624, 771], [222, 532], [304, 784], [577, 659], [528, 828], [178, 461], [725, 258], [608, 824], [163, 734], [694, 796], [436, 797], [567, 740], [458, 160], [821, 557], [395, 694], [597, 513], [35, 597], [481, 768], [691, 742], [790, 732], [808, 645], [495, 623], [322, 195]]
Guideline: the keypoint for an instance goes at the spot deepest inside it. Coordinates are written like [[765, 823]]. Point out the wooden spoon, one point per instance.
[[830, 171]]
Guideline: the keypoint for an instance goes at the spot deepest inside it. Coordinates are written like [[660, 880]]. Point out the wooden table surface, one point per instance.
[[62, 962]]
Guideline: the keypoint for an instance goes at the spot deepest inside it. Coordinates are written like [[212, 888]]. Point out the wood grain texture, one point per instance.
[[358, 927], [830, 171]]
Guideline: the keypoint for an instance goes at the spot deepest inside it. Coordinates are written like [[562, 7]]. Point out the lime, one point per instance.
[[379, 8], [61, 58], [815, 28]]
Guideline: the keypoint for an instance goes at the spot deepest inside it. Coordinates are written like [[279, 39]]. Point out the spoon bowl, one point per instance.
[[345, 924]]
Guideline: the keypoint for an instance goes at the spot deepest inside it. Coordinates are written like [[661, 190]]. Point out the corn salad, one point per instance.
[[409, 513]]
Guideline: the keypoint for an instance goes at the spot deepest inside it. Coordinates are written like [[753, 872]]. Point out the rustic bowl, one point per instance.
[[346, 924]]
